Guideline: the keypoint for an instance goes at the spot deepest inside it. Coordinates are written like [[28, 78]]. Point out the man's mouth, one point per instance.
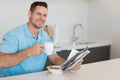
[[40, 20]]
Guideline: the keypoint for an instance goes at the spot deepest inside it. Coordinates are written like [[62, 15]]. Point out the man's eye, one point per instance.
[[45, 15], [38, 13]]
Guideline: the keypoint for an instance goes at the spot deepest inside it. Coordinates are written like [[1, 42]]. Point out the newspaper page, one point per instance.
[[74, 58]]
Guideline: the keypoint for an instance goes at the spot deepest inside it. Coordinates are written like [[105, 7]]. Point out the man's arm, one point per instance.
[[56, 59], [9, 60]]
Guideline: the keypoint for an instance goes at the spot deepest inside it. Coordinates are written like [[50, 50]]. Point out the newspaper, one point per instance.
[[74, 58]]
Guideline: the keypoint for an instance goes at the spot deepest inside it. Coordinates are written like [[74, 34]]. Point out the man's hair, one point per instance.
[[38, 3]]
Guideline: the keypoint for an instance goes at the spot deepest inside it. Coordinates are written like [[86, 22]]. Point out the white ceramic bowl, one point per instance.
[[55, 69]]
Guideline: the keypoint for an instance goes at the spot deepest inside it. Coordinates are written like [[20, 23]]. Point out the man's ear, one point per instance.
[[29, 13]]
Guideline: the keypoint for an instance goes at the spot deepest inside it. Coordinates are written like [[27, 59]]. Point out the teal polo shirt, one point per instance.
[[20, 39]]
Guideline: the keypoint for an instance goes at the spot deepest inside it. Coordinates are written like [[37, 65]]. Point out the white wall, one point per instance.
[[104, 23], [102, 16], [12, 14], [63, 13]]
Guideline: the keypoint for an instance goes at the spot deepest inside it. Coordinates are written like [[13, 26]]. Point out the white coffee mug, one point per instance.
[[48, 46]]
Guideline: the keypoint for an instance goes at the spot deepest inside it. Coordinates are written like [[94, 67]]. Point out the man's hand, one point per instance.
[[35, 50], [78, 65]]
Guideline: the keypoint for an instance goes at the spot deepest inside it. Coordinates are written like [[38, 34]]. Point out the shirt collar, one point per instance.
[[28, 33]]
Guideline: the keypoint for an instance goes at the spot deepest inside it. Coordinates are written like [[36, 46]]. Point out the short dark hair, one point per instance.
[[38, 3]]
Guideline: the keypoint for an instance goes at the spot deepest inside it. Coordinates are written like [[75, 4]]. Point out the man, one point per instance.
[[22, 48]]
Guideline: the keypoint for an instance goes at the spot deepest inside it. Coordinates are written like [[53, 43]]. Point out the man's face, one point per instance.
[[38, 17]]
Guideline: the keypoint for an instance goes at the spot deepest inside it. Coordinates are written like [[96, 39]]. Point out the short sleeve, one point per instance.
[[9, 43]]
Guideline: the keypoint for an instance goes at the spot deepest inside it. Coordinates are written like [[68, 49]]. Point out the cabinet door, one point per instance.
[[98, 54], [64, 53]]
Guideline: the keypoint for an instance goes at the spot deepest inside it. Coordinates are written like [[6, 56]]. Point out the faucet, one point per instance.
[[74, 36]]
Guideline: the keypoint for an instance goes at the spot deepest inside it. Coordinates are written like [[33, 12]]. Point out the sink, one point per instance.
[[78, 45], [83, 44], [86, 43], [57, 46]]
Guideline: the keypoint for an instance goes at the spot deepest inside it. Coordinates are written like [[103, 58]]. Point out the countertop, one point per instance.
[[104, 70], [68, 46]]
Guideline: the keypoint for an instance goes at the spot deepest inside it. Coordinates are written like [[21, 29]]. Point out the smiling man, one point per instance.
[[22, 48]]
